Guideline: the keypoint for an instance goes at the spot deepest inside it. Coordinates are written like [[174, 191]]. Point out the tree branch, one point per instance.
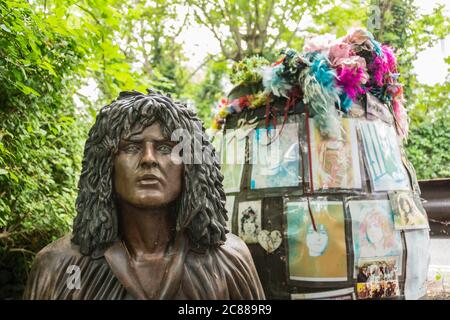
[[182, 26], [234, 28], [188, 77], [22, 250], [277, 38], [5, 234], [211, 27]]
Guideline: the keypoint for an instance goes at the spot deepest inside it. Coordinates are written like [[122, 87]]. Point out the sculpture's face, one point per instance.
[[144, 174]]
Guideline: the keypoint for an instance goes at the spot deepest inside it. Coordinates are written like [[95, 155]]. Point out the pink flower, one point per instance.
[[320, 43], [339, 52], [359, 38]]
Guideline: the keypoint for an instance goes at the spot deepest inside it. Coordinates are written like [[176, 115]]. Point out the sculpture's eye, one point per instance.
[[131, 148], [164, 148]]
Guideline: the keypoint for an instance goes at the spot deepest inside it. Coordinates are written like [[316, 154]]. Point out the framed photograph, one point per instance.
[[377, 278], [373, 231], [249, 221], [275, 157], [335, 162], [229, 205], [411, 171], [408, 211], [217, 143], [317, 251], [382, 155], [233, 159], [418, 251], [341, 294]]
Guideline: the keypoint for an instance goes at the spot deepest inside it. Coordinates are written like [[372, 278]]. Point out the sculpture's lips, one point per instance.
[[148, 179]]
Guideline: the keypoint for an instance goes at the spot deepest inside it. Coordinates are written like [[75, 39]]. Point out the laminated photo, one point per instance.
[[233, 159], [382, 155], [249, 221], [217, 143], [411, 171], [275, 157], [335, 161], [418, 255], [377, 279], [316, 253], [229, 206], [340, 294], [408, 211], [373, 231]]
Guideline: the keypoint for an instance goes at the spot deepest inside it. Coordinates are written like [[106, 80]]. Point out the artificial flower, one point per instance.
[[320, 44], [223, 113], [339, 52]]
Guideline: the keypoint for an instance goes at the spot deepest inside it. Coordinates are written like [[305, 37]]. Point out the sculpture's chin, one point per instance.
[[151, 202], [152, 199]]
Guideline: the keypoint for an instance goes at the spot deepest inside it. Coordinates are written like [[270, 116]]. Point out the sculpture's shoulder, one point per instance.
[[222, 272], [49, 266], [236, 258], [236, 246], [61, 271], [57, 252]]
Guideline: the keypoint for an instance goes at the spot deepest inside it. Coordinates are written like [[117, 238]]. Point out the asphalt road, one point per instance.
[[440, 252], [438, 285]]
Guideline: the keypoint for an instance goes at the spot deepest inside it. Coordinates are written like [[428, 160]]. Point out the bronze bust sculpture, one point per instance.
[[147, 226]]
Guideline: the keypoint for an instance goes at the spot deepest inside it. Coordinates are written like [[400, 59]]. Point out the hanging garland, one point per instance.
[[332, 75]]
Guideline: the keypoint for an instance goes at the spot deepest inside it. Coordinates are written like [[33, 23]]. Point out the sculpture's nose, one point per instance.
[[149, 156]]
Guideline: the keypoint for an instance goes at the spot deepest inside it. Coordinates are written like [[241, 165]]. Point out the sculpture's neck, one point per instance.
[[146, 231]]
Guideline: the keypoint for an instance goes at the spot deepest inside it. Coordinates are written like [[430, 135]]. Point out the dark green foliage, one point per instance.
[[41, 137], [429, 147]]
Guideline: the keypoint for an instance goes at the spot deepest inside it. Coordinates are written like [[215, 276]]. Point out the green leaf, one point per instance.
[[13, 176], [27, 90], [5, 28]]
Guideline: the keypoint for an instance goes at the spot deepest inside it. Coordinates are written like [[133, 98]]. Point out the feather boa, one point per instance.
[[274, 82], [330, 74], [318, 81], [382, 66], [350, 80]]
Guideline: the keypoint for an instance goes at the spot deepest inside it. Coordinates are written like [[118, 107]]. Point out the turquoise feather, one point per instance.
[[321, 94]]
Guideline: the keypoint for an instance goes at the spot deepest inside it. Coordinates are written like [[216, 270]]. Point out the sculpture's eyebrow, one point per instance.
[[140, 138]]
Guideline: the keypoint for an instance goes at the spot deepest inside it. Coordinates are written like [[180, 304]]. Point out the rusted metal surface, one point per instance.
[[436, 194]]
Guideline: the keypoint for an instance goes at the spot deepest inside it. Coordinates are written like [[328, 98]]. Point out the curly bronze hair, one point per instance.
[[200, 208]]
